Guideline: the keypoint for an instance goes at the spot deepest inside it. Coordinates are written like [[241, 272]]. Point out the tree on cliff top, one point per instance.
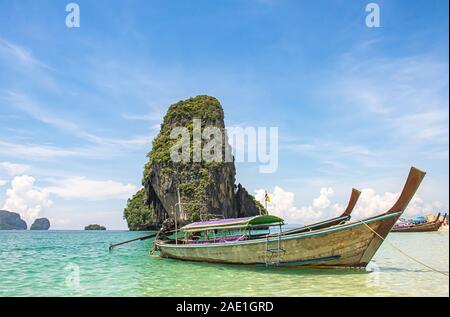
[[182, 114], [195, 180]]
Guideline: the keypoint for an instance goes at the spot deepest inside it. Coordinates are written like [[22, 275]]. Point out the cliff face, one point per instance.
[[40, 224], [11, 221], [246, 204], [208, 184]]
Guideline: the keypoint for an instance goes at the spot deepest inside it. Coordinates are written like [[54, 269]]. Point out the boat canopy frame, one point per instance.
[[260, 221]]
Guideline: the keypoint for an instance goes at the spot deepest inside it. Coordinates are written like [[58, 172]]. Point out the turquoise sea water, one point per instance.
[[77, 263]]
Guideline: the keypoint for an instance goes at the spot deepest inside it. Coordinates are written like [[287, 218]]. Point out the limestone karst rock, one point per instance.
[[40, 224], [11, 221], [210, 184]]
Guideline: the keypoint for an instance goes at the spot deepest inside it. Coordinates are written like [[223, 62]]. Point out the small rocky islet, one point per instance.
[[12, 221], [94, 227], [40, 224], [211, 185]]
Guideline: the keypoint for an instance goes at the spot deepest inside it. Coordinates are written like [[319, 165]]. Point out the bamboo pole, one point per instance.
[[112, 245]]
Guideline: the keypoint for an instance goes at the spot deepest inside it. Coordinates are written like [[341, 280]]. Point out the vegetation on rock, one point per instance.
[[209, 185], [94, 227], [182, 114], [138, 214]]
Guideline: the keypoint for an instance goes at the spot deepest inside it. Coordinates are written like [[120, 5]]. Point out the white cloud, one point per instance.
[[282, 205], [144, 117], [323, 201], [32, 108], [156, 127], [44, 151], [409, 95], [26, 199], [2, 182], [427, 126], [20, 54], [84, 188], [369, 204], [322, 148], [13, 168], [35, 110]]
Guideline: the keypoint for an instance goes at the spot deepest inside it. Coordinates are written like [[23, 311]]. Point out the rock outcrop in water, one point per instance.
[[11, 221], [211, 185], [94, 227], [40, 224], [139, 215]]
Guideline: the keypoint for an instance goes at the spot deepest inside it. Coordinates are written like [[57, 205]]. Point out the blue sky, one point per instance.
[[355, 106]]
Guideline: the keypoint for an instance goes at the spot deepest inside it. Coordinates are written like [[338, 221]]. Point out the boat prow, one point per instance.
[[352, 244], [413, 181], [343, 218], [352, 202]]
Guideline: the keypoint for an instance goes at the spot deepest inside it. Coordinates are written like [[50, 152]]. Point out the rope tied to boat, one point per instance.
[[403, 252]]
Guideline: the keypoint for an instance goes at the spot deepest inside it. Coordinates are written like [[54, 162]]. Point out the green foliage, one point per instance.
[[201, 107], [94, 227], [260, 206], [193, 178], [138, 214], [182, 114], [195, 189]]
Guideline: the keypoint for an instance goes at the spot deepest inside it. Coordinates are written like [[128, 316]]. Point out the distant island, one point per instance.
[[40, 224], [11, 221], [94, 227]]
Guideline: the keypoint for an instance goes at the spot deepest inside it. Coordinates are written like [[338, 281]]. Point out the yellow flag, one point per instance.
[[267, 198]]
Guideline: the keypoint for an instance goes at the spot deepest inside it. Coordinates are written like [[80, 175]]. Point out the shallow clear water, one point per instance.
[[77, 263]]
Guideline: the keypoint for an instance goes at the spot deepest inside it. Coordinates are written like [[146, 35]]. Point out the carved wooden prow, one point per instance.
[[415, 177], [352, 202]]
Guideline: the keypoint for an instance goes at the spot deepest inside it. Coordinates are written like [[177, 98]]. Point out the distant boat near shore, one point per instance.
[[420, 226], [444, 226]]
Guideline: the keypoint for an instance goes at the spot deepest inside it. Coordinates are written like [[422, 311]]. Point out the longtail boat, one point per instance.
[[422, 227], [351, 244], [346, 215]]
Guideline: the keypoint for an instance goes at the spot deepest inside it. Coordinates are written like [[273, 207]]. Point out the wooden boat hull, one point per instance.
[[426, 227], [351, 245], [347, 245]]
